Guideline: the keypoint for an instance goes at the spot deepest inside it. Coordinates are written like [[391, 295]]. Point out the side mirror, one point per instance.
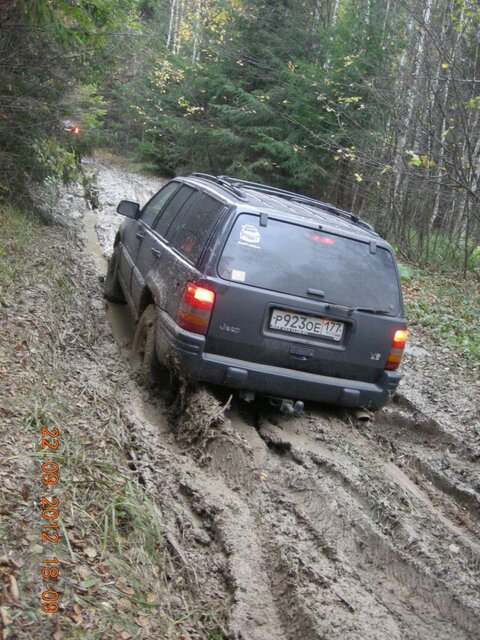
[[128, 209]]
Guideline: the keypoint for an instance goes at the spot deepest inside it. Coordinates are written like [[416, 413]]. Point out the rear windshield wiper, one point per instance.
[[350, 310], [380, 312]]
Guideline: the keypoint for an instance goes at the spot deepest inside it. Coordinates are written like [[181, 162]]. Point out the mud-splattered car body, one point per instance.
[[261, 290]]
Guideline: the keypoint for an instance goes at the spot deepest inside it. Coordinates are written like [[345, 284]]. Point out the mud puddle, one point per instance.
[[314, 527], [92, 245], [121, 323]]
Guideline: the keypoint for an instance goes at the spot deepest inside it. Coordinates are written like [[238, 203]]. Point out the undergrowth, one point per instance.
[[447, 306], [17, 231]]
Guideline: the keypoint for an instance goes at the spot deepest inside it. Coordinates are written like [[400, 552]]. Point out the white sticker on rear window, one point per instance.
[[238, 275], [250, 236]]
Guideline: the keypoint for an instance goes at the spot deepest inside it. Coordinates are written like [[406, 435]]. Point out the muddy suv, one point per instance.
[[262, 290]]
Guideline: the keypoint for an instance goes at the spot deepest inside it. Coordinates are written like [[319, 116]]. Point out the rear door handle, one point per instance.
[[156, 252], [139, 235]]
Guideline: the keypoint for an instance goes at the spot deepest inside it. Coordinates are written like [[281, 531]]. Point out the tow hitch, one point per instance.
[[288, 407]]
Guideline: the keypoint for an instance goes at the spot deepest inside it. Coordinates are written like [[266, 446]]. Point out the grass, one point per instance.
[[131, 515], [448, 307], [17, 232]]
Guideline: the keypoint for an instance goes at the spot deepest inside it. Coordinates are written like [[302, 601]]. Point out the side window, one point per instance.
[[153, 206], [195, 225], [172, 208]]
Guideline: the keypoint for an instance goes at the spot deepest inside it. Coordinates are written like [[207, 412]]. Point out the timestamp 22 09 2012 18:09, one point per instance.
[[50, 569]]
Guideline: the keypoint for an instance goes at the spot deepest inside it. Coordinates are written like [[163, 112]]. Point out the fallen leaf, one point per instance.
[[5, 561], [125, 603], [91, 552], [36, 549], [144, 622], [77, 542], [84, 572], [103, 568], [14, 588], [6, 620]]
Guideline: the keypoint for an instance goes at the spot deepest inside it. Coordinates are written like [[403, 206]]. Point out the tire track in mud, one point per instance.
[[450, 463], [430, 499], [222, 525], [349, 534], [304, 556]]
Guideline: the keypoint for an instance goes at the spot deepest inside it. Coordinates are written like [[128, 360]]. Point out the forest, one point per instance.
[[372, 105]]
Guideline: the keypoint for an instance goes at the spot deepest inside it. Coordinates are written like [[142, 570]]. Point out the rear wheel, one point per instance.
[[113, 290], [143, 356]]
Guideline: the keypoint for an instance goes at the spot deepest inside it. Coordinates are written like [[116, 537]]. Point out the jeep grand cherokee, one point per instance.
[[262, 290]]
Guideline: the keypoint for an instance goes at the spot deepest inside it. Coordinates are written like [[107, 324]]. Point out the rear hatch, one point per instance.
[[297, 296]]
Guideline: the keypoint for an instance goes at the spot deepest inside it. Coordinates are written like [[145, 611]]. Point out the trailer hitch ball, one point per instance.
[[288, 407], [298, 408]]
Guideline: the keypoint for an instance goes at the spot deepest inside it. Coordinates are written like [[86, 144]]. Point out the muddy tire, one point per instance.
[[143, 357], [112, 289]]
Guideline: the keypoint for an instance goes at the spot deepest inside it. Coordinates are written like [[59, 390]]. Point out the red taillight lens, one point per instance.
[[398, 345], [195, 308], [199, 297], [399, 339], [76, 129]]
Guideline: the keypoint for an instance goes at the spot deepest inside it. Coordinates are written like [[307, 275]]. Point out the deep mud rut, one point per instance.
[[315, 527]]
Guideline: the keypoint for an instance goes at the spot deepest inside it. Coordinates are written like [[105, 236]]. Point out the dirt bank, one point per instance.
[[265, 527]]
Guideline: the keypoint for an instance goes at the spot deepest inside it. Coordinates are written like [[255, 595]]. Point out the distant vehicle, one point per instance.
[[261, 290], [70, 126]]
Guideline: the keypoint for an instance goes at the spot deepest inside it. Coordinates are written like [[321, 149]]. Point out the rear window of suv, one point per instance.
[[290, 258]]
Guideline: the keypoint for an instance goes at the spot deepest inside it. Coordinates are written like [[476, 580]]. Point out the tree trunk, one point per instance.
[[171, 24]]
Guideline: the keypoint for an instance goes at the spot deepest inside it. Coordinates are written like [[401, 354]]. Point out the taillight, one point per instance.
[[396, 352], [195, 308]]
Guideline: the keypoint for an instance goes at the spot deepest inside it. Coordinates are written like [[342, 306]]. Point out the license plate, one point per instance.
[[306, 325]]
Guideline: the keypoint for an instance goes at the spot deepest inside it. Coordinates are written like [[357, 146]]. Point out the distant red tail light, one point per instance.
[[195, 308], [398, 345]]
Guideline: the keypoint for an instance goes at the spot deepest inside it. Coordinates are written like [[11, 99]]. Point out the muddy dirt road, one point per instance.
[[313, 527]]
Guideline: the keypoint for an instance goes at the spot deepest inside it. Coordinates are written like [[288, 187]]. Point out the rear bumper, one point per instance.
[[186, 351]]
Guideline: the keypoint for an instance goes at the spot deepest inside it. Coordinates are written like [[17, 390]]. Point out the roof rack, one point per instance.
[[235, 185], [295, 197], [223, 182]]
